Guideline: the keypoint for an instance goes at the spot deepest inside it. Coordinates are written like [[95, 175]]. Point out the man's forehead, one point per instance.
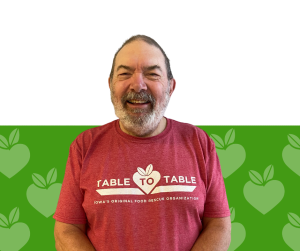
[[140, 53]]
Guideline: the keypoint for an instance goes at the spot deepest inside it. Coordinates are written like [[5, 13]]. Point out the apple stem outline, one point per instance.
[[148, 171], [40, 182], [257, 179], [13, 218], [229, 139], [13, 139], [294, 141], [294, 219]]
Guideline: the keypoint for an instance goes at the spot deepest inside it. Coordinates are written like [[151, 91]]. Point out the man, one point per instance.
[[142, 182]]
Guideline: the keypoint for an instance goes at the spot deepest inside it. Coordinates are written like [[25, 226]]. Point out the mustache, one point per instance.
[[142, 95]]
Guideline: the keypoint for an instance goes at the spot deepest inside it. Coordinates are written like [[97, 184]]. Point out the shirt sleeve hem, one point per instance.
[[69, 220], [217, 215]]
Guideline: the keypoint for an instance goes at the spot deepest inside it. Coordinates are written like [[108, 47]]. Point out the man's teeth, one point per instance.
[[137, 101]]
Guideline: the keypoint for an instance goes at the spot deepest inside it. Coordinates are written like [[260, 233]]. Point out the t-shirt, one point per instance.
[[142, 193]]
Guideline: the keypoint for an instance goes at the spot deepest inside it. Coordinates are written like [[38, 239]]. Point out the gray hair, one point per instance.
[[148, 39]]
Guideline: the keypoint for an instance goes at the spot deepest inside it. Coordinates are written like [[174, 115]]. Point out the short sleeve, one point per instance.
[[216, 204], [69, 208]]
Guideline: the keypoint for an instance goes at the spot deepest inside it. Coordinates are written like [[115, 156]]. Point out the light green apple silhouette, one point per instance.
[[13, 156], [13, 235], [291, 232], [231, 156], [238, 232], [44, 196], [291, 154], [263, 194]]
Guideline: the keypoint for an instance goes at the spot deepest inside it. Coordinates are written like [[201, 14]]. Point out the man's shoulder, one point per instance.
[[187, 128], [85, 138], [192, 133]]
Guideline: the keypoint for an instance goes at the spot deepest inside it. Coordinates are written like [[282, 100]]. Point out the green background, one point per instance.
[[49, 148]]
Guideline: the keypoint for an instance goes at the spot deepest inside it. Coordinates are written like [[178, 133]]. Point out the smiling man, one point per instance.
[[143, 181]]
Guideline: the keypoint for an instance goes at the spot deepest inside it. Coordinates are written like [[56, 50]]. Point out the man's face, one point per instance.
[[140, 90]]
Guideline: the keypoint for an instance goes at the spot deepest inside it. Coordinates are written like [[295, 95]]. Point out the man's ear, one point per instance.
[[172, 86], [109, 82]]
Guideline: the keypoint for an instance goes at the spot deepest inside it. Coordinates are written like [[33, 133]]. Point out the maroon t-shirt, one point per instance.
[[142, 193]]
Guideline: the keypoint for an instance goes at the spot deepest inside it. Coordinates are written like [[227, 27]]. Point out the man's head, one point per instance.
[[141, 85], [149, 41]]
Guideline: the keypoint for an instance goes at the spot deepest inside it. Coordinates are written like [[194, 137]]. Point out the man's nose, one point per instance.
[[138, 82]]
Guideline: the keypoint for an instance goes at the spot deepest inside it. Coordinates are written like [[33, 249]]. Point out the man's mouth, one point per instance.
[[138, 102], [142, 104]]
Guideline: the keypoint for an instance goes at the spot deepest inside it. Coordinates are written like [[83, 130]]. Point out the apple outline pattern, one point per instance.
[[13, 234], [257, 191], [231, 156], [238, 232], [13, 157], [42, 195], [291, 232], [291, 154]]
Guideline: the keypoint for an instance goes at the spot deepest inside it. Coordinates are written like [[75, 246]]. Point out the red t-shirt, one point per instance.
[[142, 193]]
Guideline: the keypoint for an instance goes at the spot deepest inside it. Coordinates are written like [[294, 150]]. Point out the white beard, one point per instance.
[[144, 124]]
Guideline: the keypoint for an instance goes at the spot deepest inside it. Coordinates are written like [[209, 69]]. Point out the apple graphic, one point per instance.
[[146, 180], [231, 156], [291, 232], [44, 196], [263, 194], [13, 235], [13, 156], [291, 154], [238, 232]]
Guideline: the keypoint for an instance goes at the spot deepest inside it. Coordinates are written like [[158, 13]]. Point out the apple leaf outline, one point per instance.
[[218, 141], [268, 173], [294, 141], [14, 215], [294, 220], [232, 214], [149, 169], [230, 137], [38, 180], [3, 221], [141, 171], [3, 142], [14, 137], [255, 177], [51, 176]]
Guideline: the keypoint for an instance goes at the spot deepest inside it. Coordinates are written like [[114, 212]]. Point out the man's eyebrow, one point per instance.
[[152, 67], [145, 68], [124, 67]]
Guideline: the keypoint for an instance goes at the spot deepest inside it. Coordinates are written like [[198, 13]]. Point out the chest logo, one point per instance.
[[146, 179]]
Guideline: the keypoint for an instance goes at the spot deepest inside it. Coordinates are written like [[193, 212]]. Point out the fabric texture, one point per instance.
[[142, 193]]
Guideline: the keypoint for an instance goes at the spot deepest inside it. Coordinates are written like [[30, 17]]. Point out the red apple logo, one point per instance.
[[42, 195], [238, 232], [13, 235], [291, 232], [231, 156], [291, 154], [13, 156], [146, 180], [263, 193]]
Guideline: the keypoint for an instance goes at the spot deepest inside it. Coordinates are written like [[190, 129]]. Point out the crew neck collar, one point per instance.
[[143, 139]]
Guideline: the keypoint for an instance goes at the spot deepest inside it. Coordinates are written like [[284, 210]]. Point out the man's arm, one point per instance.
[[215, 236], [71, 237]]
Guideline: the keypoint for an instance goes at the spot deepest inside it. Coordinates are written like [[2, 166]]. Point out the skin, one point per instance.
[[138, 55]]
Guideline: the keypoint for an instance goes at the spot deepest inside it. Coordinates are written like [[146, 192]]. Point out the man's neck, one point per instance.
[[159, 129]]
